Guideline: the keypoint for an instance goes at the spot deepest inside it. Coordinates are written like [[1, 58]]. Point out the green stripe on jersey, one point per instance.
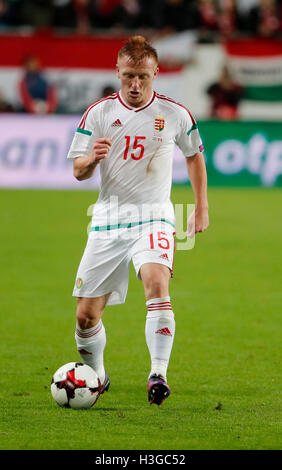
[[128, 225], [83, 131], [192, 129]]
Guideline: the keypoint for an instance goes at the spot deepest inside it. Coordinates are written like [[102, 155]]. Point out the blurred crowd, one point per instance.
[[38, 96], [211, 19], [208, 17]]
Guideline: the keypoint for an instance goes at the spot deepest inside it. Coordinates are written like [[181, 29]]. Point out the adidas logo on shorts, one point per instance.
[[164, 256]]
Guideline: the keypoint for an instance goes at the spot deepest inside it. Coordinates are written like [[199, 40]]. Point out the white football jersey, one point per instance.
[[136, 175]]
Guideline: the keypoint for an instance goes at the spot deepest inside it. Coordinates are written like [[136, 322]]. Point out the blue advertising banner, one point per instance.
[[33, 152]]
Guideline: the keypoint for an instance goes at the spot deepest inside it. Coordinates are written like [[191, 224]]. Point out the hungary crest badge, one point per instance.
[[159, 123]]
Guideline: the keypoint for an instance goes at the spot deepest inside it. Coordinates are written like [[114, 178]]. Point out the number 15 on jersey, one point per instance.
[[137, 145]]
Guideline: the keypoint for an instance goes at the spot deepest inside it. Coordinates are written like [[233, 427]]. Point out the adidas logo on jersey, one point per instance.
[[117, 123], [164, 331], [164, 256]]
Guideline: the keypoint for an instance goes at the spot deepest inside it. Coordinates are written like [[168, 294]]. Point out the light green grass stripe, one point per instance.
[[128, 225], [83, 131]]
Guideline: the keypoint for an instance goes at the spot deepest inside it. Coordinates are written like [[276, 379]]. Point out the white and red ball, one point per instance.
[[75, 385]]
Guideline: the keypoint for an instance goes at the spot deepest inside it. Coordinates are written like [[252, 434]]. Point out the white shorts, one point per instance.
[[104, 267]]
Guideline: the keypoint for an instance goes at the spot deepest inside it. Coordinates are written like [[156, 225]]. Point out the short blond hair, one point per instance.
[[137, 48]]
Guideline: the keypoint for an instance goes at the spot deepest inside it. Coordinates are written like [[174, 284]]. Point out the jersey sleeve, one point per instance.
[[188, 138], [87, 132]]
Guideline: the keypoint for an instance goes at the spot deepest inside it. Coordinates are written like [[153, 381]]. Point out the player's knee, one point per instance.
[[156, 286], [86, 316]]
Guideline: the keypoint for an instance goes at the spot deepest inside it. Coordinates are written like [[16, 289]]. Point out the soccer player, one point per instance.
[[131, 134]]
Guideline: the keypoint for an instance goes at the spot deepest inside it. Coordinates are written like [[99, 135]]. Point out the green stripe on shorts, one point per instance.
[[128, 225]]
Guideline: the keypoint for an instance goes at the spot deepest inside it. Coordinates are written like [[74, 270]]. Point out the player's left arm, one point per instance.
[[189, 141], [196, 167]]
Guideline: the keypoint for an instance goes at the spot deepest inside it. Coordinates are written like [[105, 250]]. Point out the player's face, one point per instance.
[[137, 80]]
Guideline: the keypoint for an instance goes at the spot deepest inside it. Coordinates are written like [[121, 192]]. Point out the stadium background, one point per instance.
[[42, 228]]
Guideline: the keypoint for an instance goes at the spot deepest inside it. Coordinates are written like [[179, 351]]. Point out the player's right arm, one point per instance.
[[89, 145], [84, 167]]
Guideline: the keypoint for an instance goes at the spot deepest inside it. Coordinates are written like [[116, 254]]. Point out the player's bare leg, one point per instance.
[[90, 310], [160, 328], [90, 335]]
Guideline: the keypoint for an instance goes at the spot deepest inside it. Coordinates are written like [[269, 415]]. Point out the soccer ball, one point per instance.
[[75, 385]]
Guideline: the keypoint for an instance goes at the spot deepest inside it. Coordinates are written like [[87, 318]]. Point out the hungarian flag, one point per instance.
[[257, 65]]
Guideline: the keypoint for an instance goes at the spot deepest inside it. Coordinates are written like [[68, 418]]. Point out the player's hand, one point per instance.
[[101, 148], [198, 221]]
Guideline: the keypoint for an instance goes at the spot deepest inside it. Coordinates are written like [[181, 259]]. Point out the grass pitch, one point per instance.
[[225, 365]]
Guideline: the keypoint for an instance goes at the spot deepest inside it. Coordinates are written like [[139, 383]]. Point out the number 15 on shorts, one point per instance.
[[159, 239]]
